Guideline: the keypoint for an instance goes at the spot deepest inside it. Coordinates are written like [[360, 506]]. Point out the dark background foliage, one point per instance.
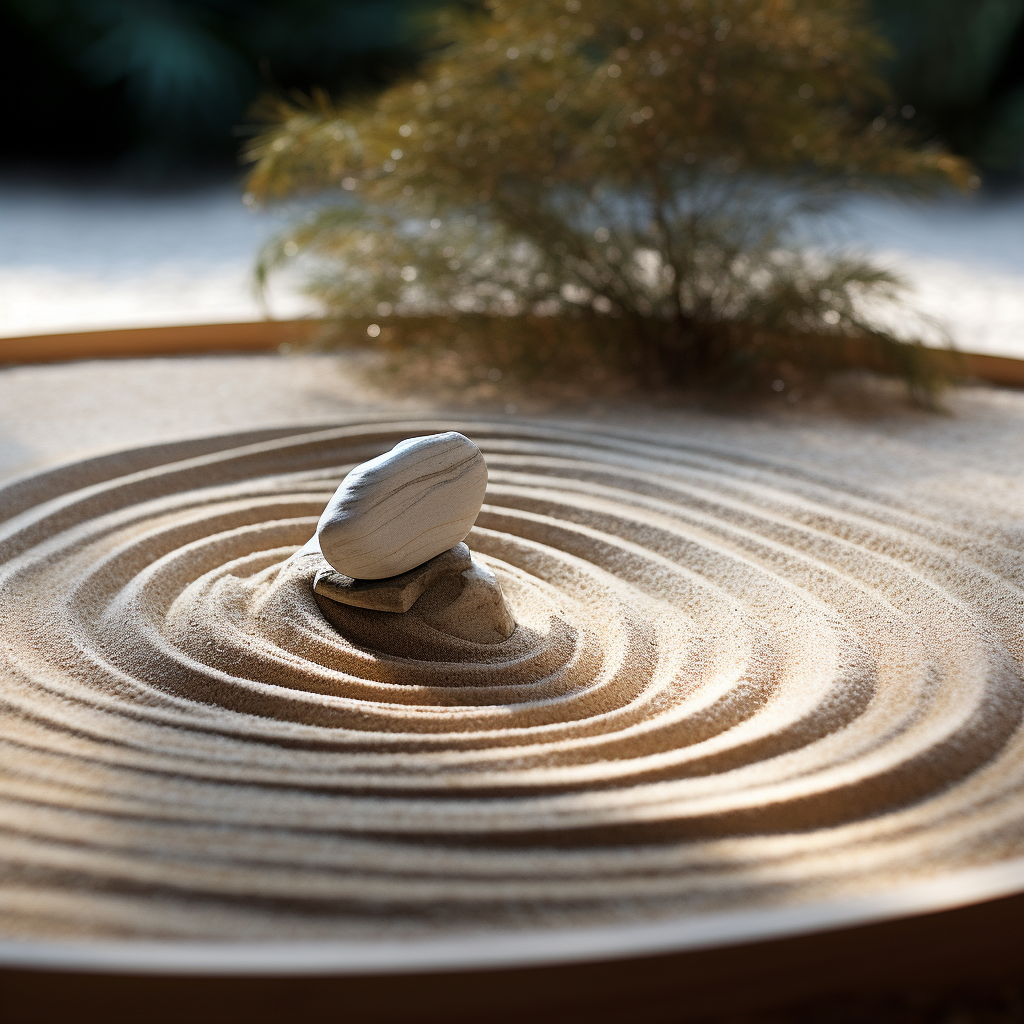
[[960, 63], [161, 85], [158, 86]]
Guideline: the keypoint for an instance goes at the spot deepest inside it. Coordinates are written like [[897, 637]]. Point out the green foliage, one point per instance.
[[1001, 145], [619, 161], [176, 76], [960, 65], [179, 75]]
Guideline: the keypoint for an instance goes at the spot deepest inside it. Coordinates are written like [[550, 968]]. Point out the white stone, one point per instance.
[[402, 508]]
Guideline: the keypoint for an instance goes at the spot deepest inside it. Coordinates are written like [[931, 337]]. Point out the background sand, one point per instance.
[[51, 414]]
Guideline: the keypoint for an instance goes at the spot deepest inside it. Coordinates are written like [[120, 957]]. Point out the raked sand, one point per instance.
[[761, 662]]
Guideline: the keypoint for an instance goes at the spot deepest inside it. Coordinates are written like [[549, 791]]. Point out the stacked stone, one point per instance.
[[392, 537]]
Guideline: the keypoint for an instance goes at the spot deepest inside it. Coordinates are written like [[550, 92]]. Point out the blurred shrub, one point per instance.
[[170, 80], [958, 67], [618, 162]]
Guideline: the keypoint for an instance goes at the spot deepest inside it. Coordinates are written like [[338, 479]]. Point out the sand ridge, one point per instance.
[[733, 685]]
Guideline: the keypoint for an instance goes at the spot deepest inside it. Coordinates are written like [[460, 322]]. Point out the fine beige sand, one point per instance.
[[759, 662]]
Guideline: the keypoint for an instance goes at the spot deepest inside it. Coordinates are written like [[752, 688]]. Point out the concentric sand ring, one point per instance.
[[733, 686]]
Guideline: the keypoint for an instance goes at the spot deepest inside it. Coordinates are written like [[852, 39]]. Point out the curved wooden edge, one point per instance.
[[1000, 370], [931, 955], [268, 335], [188, 339]]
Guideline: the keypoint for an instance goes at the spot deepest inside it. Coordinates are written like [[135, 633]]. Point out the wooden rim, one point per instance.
[[186, 339], [927, 954], [270, 335]]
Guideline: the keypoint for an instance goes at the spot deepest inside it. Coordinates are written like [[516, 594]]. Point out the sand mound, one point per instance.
[[733, 685]]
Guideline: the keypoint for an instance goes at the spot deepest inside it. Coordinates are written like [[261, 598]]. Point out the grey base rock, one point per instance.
[[394, 593], [452, 593], [469, 606]]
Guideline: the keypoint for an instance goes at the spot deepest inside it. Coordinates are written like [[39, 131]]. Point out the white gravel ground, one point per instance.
[[92, 257]]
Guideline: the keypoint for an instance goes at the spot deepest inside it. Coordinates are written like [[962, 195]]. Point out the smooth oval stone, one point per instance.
[[402, 508]]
